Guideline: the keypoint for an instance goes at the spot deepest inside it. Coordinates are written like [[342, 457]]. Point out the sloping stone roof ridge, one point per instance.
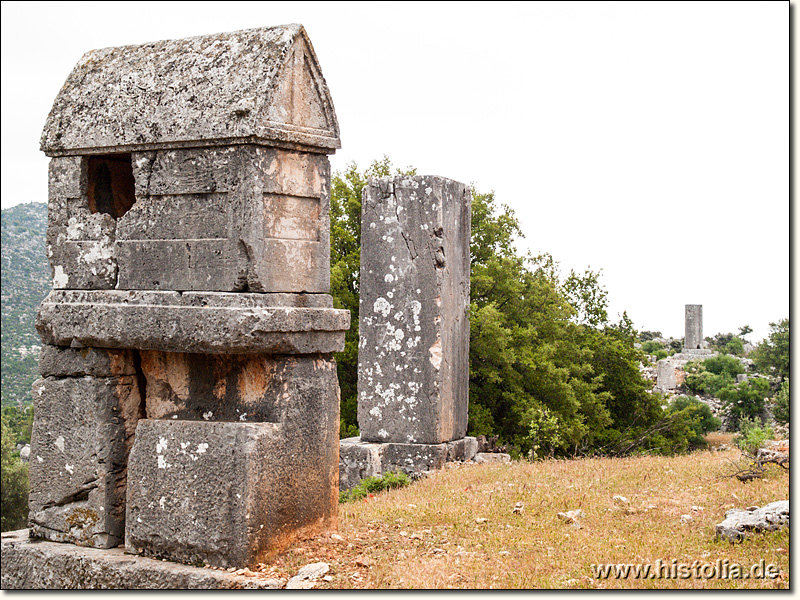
[[190, 91]]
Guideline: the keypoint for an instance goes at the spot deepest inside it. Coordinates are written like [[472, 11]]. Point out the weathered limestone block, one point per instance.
[[198, 322], [38, 565], [82, 432], [414, 346], [358, 460], [223, 387], [234, 218], [413, 458], [224, 492], [462, 450], [738, 523], [58, 361], [233, 493]]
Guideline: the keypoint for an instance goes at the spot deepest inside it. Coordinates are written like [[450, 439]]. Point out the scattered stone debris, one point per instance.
[[571, 516], [518, 508], [739, 523], [308, 576], [686, 519], [620, 500]]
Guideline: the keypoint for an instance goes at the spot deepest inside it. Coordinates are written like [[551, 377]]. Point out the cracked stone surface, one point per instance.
[[82, 433], [414, 329]]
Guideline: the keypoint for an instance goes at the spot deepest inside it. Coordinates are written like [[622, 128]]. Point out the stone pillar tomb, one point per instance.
[[188, 404], [693, 339], [413, 372]]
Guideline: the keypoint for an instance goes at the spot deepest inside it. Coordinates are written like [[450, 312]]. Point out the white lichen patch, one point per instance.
[[388, 278], [207, 415], [375, 411], [60, 278], [70, 469], [202, 447], [59, 443], [382, 306]]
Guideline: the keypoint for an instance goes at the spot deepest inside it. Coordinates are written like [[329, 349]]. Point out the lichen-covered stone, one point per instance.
[[261, 85], [414, 330], [82, 432], [358, 460], [233, 493], [173, 322]]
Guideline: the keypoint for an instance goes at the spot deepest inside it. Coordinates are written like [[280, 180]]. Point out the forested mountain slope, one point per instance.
[[25, 283]]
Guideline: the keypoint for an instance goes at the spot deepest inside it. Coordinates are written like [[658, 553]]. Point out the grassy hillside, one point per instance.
[[25, 282], [458, 529]]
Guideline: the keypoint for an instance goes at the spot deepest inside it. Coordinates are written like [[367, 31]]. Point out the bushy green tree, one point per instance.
[[699, 415], [746, 399], [13, 483], [780, 403], [771, 356]]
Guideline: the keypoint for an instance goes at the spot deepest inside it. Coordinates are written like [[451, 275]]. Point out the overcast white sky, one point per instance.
[[649, 140]]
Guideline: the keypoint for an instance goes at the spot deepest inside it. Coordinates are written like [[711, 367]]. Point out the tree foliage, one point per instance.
[[13, 482], [771, 356]]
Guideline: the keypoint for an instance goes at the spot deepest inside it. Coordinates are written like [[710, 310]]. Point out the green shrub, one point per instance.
[[780, 404], [745, 400], [699, 418], [651, 347], [752, 435], [718, 365], [370, 485], [659, 354]]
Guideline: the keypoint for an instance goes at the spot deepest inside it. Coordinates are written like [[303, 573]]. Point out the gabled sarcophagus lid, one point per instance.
[[257, 86]]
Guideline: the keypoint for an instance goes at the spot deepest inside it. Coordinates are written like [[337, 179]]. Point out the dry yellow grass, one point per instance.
[[457, 528]]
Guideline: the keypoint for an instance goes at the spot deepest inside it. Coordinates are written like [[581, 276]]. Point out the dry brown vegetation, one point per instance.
[[458, 529]]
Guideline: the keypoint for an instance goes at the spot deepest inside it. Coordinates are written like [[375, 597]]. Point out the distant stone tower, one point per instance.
[[694, 327]]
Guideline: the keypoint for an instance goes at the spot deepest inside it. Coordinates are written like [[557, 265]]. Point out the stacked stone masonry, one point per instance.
[[188, 404]]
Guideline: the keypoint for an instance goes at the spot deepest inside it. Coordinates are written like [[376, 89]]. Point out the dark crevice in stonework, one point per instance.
[[79, 496], [141, 380], [111, 188]]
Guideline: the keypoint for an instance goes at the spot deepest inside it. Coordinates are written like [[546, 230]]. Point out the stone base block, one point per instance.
[[82, 432], [230, 494], [358, 460], [462, 450], [36, 565]]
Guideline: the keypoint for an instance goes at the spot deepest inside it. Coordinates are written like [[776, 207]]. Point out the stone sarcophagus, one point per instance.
[[188, 404]]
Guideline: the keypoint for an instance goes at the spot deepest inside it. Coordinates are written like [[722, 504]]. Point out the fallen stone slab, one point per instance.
[[40, 565], [739, 523]]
